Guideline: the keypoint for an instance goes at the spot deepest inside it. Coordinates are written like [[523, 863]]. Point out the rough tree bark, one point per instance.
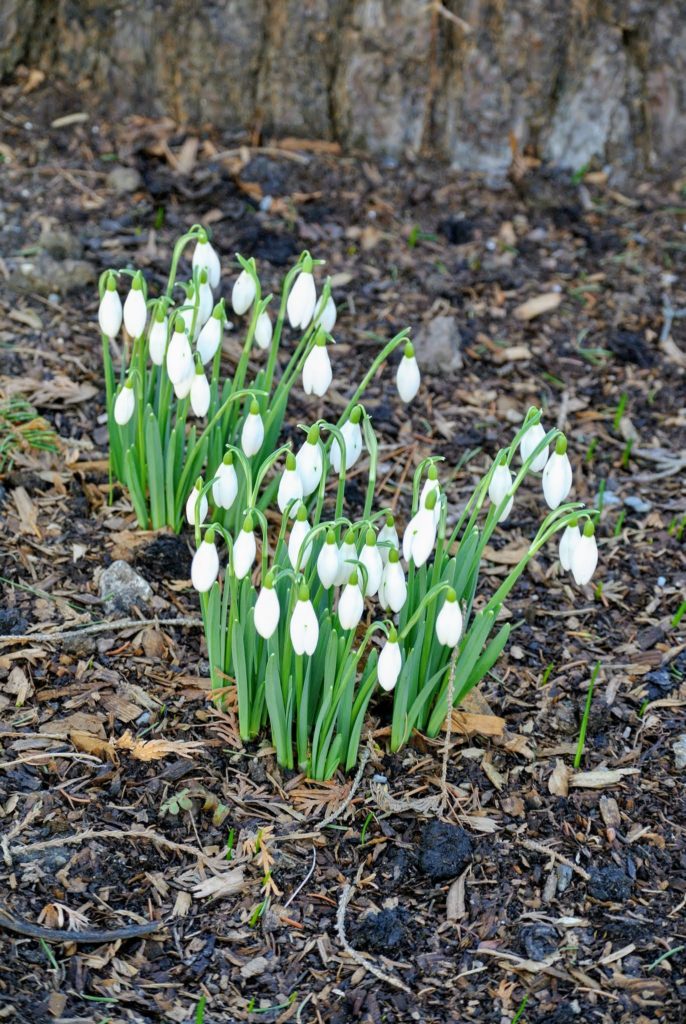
[[576, 79]]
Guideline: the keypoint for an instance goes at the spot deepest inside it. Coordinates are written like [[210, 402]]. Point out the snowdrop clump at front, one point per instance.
[[171, 374]]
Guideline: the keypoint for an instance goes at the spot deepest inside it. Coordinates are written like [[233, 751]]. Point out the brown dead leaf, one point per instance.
[[609, 811], [27, 512], [511, 554], [19, 684], [482, 725], [87, 743], [601, 777], [492, 773], [558, 783], [28, 317], [80, 721], [218, 886], [155, 750], [538, 305], [455, 908]]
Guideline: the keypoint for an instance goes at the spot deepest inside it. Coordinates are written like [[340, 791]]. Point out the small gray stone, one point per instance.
[[44, 275], [124, 179], [679, 748], [564, 877], [638, 504], [439, 344], [121, 587]]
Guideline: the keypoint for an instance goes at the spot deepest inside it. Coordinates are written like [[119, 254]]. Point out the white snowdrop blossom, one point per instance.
[[585, 556], [431, 485], [135, 308], [205, 564], [205, 258], [571, 536], [263, 330], [203, 508], [303, 297], [557, 475], [350, 604], [530, 441], [449, 621], [210, 337], [348, 555], [180, 363], [388, 538], [182, 388], [371, 560], [390, 663], [157, 339], [243, 293], [290, 487], [125, 404], [200, 393], [298, 555], [498, 488], [393, 587], [267, 609], [205, 303], [110, 311], [304, 625], [252, 435], [225, 484], [329, 562], [326, 315], [309, 462], [352, 438], [420, 534], [408, 377], [244, 549], [317, 373]]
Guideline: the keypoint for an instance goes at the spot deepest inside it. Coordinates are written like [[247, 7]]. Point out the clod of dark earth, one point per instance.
[[385, 932], [539, 940], [444, 851], [609, 884], [167, 557]]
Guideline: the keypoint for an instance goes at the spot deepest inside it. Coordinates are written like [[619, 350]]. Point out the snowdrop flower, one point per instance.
[[267, 609], [390, 662], [210, 337], [557, 475], [200, 392], [303, 297], [206, 258], [304, 627], [393, 587], [225, 484], [157, 339], [243, 293], [431, 485], [371, 560], [110, 309], [135, 309], [205, 565], [299, 532], [125, 404], [329, 562], [205, 300], [499, 487], [348, 554], [317, 374], [263, 330], [309, 463], [244, 549], [290, 487], [326, 314], [408, 378], [252, 435], [420, 534], [530, 441], [449, 621], [585, 555], [179, 356], [388, 538], [571, 536], [352, 437], [350, 604], [192, 501], [190, 313], [182, 388]]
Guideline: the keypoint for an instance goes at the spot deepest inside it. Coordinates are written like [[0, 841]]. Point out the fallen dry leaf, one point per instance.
[[538, 305], [558, 783], [27, 512], [219, 885], [87, 743], [600, 778], [482, 725], [154, 750]]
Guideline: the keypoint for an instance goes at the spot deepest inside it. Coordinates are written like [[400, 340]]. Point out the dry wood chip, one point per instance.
[[600, 778], [27, 512], [558, 783], [609, 811], [19, 684], [182, 904], [538, 305], [483, 725], [80, 721], [90, 744], [455, 908], [218, 886], [255, 967]]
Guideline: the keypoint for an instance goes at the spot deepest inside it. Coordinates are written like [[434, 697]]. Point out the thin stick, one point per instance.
[[531, 844], [98, 627]]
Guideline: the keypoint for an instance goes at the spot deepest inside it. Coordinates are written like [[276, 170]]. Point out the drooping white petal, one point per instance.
[[225, 486], [584, 559], [299, 532], [328, 564], [419, 537], [309, 465], [200, 394], [557, 479], [209, 339], [408, 378], [124, 406], [243, 293], [317, 373], [263, 330], [348, 555], [388, 538], [304, 628], [182, 388], [157, 340], [244, 552], [327, 316], [449, 624], [350, 605], [205, 258], [290, 489], [267, 612], [352, 436], [371, 560], [389, 665], [190, 507], [179, 358], [394, 587], [110, 313], [135, 313], [252, 435], [302, 300], [530, 441], [571, 536], [205, 567], [500, 485]]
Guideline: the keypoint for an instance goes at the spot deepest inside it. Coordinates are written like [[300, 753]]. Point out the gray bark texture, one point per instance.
[[575, 80]]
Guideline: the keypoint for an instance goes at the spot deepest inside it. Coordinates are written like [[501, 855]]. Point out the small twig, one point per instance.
[[366, 965], [98, 627], [531, 844], [445, 13], [305, 880], [88, 937]]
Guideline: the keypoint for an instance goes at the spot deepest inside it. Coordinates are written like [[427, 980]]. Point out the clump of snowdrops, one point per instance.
[[173, 418], [309, 619]]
